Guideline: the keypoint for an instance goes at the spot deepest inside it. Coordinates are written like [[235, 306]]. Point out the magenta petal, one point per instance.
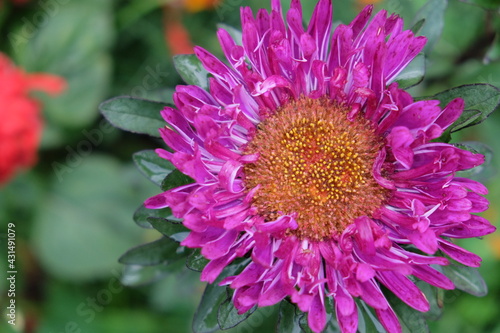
[[317, 314], [462, 256], [389, 320], [425, 241], [405, 290]]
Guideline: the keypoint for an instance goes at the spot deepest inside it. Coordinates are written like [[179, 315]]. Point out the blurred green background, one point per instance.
[[73, 211]]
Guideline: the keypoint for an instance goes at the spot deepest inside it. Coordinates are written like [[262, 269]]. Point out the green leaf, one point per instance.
[[152, 166], [483, 172], [134, 115], [191, 70], [466, 279], [206, 317], [288, 320], [175, 231], [62, 40], [417, 26], [228, 317], [175, 179], [480, 101], [367, 321], [83, 224], [412, 321], [142, 214], [158, 252], [433, 14], [413, 74], [431, 293], [196, 261], [136, 275]]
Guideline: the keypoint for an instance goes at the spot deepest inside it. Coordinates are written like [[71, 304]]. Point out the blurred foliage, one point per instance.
[[73, 212]]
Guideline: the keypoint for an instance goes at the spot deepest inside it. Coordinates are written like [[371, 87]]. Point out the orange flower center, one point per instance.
[[316, 163]]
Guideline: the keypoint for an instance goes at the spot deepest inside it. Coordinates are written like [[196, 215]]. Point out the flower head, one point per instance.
[[309, 159], [21, 126]]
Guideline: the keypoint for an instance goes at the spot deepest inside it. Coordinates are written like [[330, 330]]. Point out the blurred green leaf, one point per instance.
[[413, 74], [191, 70], [69, 44], [196, 261], [175, 231], [134, 115], [433, 14], [142, 214], [417, 26], [160, 251], [480, 101], [135, 275], [84, 224], [288, 320], [175, 179], [152, 166], [228, 316], [466, 279]]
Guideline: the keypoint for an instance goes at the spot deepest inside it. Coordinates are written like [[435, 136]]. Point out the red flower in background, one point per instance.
[[21, 125]]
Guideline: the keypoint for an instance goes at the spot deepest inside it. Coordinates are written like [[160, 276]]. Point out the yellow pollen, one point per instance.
[[316, 163]]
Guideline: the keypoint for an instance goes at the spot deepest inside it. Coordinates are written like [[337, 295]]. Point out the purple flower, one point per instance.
[[308, 159]]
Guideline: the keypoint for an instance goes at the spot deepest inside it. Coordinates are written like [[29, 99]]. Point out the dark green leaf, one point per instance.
[[417, 26], [175, 179], [196, 261], [191, 70], [433, 13], [288, 320], [467, 279], [175, 231], [368, 322], [134, 115], [142, 214], [413, 74], [228, 316], [152, 166], [206, 317], [155, 253], [431, 293], [480, 101], [411, 320]]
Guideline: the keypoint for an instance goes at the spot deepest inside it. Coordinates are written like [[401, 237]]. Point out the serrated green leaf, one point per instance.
[[466, 279], [155, 253], [175, 231], [228, 316], [142, 214], [480, 101], [196, 261], [152, 166], [288, 320], [191, 70], [433, 13], [134, 115], [175, 179], [413, 74], [205, 319]]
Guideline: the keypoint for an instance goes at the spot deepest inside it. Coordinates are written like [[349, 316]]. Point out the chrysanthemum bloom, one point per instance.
[[21, 125], [308, 159]]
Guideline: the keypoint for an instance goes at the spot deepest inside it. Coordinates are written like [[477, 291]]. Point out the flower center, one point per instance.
[[317, 164]]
